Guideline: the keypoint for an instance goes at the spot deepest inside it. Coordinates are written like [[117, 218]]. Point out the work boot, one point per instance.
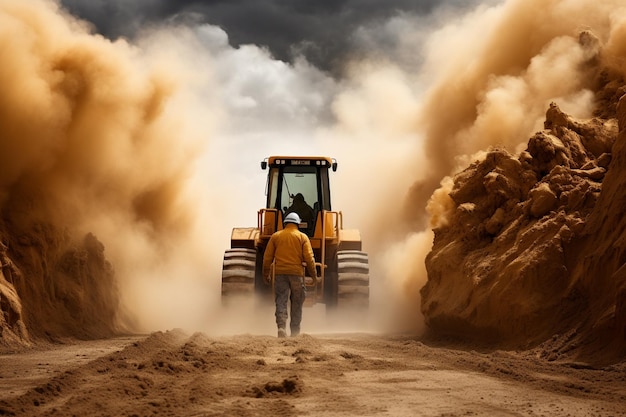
[[282, 332]]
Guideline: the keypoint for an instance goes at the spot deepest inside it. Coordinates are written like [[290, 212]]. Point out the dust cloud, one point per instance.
[[486, 79], [154, 145], [491, 75], [101, 137]]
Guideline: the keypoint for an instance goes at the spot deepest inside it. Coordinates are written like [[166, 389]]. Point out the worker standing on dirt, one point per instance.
[[288, 249]]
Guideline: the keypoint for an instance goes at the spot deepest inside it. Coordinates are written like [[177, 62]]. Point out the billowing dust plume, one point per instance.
[[97, 137], [490, 76]]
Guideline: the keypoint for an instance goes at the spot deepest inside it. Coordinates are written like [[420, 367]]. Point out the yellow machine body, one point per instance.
[[301, 184]]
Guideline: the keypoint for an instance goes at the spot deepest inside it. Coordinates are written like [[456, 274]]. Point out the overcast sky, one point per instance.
[[324, 31]]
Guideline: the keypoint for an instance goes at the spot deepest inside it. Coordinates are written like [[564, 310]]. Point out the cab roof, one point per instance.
[[319, 161], [272, 160]]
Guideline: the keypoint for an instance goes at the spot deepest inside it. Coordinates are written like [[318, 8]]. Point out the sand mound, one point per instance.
[[52, 286], [533, 244]]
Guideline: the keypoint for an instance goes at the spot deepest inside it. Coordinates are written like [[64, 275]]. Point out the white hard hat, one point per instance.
[[292, 218]]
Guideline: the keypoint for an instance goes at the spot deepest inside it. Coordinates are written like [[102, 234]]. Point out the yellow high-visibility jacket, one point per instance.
[[289, 248]]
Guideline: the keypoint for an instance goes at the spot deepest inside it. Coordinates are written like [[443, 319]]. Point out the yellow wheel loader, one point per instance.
[[300, 184]]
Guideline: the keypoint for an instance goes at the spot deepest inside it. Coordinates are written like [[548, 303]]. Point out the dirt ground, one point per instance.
[[180, 374]]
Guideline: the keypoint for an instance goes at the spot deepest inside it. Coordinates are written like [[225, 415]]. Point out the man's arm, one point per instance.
[[307, 253], [268, 257]]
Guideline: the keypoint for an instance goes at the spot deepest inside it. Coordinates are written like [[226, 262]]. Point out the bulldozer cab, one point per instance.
[[300, 185]]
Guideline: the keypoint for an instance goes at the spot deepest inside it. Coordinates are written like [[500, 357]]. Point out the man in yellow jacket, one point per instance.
[[288, 249]]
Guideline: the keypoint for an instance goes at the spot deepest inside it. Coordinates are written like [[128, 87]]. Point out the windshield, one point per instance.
[[299, 188], [297, 191]]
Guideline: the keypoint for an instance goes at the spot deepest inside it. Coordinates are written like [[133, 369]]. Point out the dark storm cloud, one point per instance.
[[321, 30]]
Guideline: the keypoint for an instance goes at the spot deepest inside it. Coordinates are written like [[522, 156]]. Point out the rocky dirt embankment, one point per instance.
[[534, 248], [51, 285]]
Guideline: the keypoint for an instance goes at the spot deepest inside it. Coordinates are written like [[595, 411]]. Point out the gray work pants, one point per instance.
[[289, 287]]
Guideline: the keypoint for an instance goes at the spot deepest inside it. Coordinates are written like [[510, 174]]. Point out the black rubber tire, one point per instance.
[[353, 279], [238, 271]]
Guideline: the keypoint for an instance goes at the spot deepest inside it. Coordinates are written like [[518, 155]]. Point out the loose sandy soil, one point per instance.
[[180, 374]]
